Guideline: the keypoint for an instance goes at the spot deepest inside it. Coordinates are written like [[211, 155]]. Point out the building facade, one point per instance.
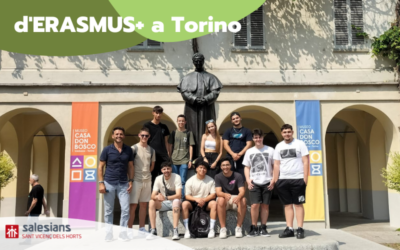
[[286, 51]]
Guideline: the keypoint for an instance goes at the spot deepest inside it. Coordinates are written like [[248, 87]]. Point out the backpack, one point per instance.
[[199, 223], [136, 149]]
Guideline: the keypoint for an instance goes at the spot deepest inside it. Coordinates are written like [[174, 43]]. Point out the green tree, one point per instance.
[[6, 169], [391, 175]]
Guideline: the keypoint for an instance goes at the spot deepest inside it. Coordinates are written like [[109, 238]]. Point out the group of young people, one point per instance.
[[153, 173]]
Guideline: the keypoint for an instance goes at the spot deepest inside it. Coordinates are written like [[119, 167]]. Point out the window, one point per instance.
[[348, 22], [147, 45], [252, 33]]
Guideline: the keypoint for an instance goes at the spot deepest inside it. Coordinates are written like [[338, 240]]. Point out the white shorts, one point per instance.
[[141, 192], [230, 205], [167, 206]]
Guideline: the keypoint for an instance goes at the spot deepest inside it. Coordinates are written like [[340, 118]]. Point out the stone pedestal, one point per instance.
[[165, 227]]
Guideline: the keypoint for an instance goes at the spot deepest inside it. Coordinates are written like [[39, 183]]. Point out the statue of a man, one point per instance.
[[199, 90]]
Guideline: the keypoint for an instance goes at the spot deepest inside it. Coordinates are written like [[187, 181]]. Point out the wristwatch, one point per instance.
[[101, 182], [130, 180]]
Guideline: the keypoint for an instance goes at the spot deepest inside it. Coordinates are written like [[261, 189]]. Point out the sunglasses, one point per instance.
[[207, 122], [144, 136]]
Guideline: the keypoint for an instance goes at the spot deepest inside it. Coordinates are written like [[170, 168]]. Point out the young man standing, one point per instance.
[[166, 196], [200, 191], [229, 187], [236, 142], [144, 159], [259, 174], [158, 140], [118, 159], [181, 144], [291, 166]]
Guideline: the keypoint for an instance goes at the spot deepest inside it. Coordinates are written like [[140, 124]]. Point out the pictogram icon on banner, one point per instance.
[[76, 175], [315, 169], [76, 161], [90, 161], [89, 175], [315, 156]]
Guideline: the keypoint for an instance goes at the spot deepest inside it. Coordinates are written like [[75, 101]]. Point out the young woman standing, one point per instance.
[[211, 148]]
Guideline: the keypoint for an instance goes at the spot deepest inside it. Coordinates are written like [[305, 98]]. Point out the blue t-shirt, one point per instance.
[[116, 163], [237, 138]]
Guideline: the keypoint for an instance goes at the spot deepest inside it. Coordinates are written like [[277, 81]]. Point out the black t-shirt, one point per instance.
[[157, 138], [38, 193], [237, 138], [229, 185]]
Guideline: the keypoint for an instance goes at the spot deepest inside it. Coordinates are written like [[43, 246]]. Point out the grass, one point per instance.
[[395, 246]]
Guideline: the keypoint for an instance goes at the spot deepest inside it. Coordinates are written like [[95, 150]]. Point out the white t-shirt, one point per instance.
[[290, 155], [173, 183], [260, 162], [200, 188]]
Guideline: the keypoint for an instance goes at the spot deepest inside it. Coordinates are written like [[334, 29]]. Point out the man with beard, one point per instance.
[[166, 196], [259, 158], [229, 187], [118, 160], [236, 142]]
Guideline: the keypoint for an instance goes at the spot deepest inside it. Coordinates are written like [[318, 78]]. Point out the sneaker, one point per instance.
[[152, 234], [109, 237], [187, 234], [123, 236], [263, 231], [253, 231], [130, 235], [143, 230], [176, 234], [300, 233], [211, 234], [238, 232], [222, 233], [287, 233]]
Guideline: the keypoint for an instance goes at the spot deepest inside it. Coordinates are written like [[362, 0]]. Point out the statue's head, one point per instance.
[[198, 61]]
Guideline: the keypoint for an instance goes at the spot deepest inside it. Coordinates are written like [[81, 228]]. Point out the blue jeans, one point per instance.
[[182, 171], [119, 189]]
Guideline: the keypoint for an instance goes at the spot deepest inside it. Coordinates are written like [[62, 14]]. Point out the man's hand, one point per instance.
[[205, 159], [129, 187], [236, 199], [271, 185], [200, 202], [236, 156], [228, 196], [27, 213], [102, 188], [250, 184], [214, 165], [189, 164], [160, 197]]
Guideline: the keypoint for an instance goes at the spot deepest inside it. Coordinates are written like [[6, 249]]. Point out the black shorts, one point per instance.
[[194, 205], [260, 194], [291, 191]]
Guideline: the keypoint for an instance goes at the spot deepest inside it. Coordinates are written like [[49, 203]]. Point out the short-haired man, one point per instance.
[[236, 142], [144, 158], [166, 196], [259, 173], [118, 159], [159, 133], [200, 191], [181, 144], [36, 198], [229, 187], [291, 167]]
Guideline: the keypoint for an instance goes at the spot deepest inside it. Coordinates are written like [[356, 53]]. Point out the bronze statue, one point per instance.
[[199, 90]]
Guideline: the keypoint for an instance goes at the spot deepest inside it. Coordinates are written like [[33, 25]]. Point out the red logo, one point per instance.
[[12, 231]]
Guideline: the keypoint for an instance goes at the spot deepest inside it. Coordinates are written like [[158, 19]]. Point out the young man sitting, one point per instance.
[[165, 197], [200, 191], [229, 187]]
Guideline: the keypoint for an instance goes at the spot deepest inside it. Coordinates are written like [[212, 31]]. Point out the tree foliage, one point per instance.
[[7, 166], [388, 44], [391, 175]]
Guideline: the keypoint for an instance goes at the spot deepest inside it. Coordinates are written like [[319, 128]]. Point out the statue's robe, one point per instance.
[[199, 85]]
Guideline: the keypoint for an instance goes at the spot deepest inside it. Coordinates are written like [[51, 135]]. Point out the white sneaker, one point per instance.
[[211, 234], [150, 236], [176, 234], [187, 234], [130, 234], [238, 232], [222, 233]]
